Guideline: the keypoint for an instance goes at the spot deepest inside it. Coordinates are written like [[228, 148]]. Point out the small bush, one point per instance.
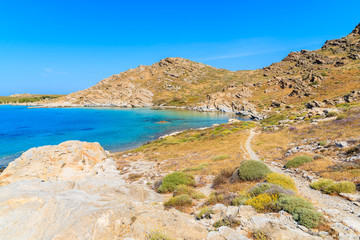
[[222, 222], [303, 211], [341, 117], [291, 203], [204, 213], [284, 181], [223, 177], [323, 143], [252, 170], [263, 202], [178, 201], [260, 235], [214, 198], [270, 189], [321, 184], [183, 189], [157, 235], [331, 114], [240, 200], [220, 157], [340, 187], [308, 217], [297, 161], [172, 180]]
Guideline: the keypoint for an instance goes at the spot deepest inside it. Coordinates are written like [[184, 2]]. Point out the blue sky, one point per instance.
[[64, 46]]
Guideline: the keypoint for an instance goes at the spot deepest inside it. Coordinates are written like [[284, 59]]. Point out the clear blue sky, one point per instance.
[[64, 46]]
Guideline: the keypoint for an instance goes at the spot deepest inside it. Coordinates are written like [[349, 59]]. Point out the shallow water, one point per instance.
[[115, 129]]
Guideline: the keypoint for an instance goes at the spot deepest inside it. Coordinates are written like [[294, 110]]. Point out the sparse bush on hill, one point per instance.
[[298, 161], [179, 201], [330, 187], [205, 212], [303, 211], [263, 202], [223, 177], [157, 235], [172, 180], [240, 200], [269, 188], [252, 170], [308, 217], [340, 187], [321, 184], [273, 119], [214, 198], [282, 180], [220, 157]]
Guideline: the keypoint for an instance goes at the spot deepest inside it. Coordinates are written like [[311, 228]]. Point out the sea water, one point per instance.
[[115, 129]]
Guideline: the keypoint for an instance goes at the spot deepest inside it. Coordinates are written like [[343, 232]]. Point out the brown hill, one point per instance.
[[325, 76]]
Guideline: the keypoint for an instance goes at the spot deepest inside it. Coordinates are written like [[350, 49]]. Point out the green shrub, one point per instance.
[[252, 170], [222, 222], [220, 157], [240, 200], [157, 235], [303, 211], [297, 161], [214, 198], [341, 116], [205, 212], [340, 187], [273, 119], [269, 188], [172, 180], [263, 202], [331, 114], [178, 201], [308, 217], [321, 184], [323, 143], [282, 180], [259, 189], [291, 203]]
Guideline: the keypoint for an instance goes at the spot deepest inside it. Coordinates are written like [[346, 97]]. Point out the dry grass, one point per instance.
[[194, 150]]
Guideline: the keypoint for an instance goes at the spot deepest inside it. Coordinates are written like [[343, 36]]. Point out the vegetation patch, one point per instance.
[[240, 200], [157, 235], [263, 202], [220, 157], [303, 211], [321, 184], [214, 198], [172, 180], [298, 161], [179, 201], [273, 119], [223, 177], [269, 188], [282, 180], [183, 189], [253, 170], [340, 187], [204, 212]]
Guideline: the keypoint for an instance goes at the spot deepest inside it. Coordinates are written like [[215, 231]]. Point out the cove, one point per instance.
[[116, 129]]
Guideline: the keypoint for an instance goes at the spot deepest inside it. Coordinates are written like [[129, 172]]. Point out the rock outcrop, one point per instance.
[[74, 191]]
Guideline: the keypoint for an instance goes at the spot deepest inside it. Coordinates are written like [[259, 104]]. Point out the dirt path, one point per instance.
[[340, 209]]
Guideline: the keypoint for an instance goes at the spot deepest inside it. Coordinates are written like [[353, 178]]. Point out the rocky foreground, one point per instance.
[[74, 191]]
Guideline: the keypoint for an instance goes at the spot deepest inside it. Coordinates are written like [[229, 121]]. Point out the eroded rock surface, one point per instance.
[[74, 191]]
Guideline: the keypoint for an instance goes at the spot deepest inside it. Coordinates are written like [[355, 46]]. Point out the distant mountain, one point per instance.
[[324, 75]]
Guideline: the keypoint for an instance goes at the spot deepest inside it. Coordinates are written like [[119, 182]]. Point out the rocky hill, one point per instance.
[[326, 75]]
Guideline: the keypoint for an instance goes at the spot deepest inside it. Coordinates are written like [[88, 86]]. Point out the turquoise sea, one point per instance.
[[115, 129]]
